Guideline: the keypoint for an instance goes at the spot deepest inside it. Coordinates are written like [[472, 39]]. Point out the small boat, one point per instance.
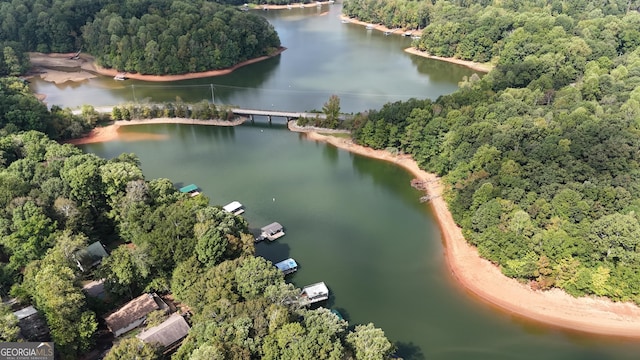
[[387, 33], [287, 266], [289, 7], [120, 77], [345, 21], [337, 313], [370, 27], [415, 37], [408, 33], [318, 3], [301, 5], [331, 1]]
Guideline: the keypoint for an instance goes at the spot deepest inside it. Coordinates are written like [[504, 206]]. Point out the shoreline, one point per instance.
[[485, 68], [290, 6], [42, 65], [379, 27], [484, 281]]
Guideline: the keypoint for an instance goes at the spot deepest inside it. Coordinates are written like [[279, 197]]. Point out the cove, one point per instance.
[[356, 224], [352, 222]]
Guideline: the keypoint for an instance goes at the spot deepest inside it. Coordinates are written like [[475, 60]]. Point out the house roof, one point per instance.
[[232, 206], [272, 228], [32, 325], [90, 255], [169, 332], [316, 289], [288, 264], [189, 188], [132, 311]]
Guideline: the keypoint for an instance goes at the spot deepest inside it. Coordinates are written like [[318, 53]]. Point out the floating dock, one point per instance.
[[191, 189], [288, 266], [234, 207], [271, 232], [314, 293]]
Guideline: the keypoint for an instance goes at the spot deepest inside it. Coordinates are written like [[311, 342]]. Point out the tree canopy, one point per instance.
[[540, 156]]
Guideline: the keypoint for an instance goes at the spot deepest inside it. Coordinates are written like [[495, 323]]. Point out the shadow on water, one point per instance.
[[272, 251], [409, 351], [389, 176], [261, 122], [440, 71]]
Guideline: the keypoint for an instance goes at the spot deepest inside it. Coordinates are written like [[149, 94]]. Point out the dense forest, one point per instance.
[[55, 200], [149, 37], [540, 156]]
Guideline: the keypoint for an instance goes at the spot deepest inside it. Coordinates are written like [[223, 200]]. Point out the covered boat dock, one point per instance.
[[287, 266], [234, 207]]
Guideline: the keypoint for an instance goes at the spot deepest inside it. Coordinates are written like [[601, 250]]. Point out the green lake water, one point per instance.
[[352, 222]]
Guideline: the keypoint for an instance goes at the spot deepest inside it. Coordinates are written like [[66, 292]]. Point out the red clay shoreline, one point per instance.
[[484, 281], [113, 72]]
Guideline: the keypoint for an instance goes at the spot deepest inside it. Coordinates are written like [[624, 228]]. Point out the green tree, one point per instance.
[[132, 348], [331, 109], [369, 343], [9, 330]]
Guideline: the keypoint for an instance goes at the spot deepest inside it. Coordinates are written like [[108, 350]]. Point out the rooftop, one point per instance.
[[272, 228], [317, 289], [133, 310], [189, 188], [232, 206], [287, 264], [169, 332]]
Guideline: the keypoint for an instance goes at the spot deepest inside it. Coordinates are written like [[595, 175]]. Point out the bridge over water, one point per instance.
[[269, 114]]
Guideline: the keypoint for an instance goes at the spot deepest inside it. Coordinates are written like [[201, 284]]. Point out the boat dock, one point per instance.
[[314, 293], [287, 266], [234, 207], [271, 232], [191, 189]]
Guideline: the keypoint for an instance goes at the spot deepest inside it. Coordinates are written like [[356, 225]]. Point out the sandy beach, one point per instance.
[[379, 27], [485, 68], [484, 280], [84, 67], [292, 6]]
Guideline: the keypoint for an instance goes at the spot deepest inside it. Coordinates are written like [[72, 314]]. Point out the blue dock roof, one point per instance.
[[189, 188], [288, 264]]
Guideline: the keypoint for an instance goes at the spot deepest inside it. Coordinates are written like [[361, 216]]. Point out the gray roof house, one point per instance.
[[90, 256], [167, 335], [134, 313], [32, 325]]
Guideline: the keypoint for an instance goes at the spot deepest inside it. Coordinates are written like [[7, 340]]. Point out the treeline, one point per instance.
[[452, 23], [174, 37], [148, 37], [203, 110], [541, 166]]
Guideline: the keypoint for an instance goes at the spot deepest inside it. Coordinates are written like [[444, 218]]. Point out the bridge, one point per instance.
[[285, 114], [289, 115]]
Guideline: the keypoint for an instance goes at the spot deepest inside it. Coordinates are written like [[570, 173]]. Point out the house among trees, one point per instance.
[[167, 335], [134, 313], [90, 256], [32, 325]]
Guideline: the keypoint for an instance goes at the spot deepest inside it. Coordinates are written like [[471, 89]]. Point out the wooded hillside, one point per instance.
[[149, 37], [541, 155]]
